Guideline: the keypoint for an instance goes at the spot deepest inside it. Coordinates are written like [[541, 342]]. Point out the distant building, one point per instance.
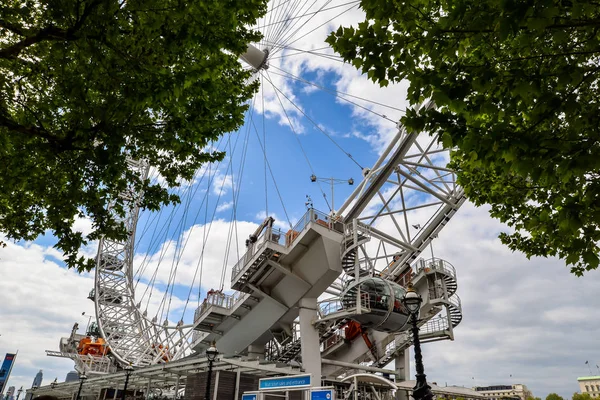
[[590, 385], [504, 392], [37, 382], [10, 393], [72, 376]]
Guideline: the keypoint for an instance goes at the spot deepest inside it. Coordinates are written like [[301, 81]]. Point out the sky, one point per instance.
[[525, 321]]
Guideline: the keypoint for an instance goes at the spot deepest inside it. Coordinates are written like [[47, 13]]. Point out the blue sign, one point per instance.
[[248, 397], [5, 369], [284, 382], [321, 395]]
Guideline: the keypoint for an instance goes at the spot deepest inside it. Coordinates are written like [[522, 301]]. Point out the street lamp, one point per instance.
[[82, 379], [19, 392], [54, 383], [412, 301], [211, 355], [128, 370]]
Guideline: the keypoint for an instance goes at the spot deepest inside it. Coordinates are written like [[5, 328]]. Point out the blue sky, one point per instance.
[[516, 323]]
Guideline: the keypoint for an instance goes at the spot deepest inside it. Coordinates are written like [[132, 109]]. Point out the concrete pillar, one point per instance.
[[309, 339], [402, 367]]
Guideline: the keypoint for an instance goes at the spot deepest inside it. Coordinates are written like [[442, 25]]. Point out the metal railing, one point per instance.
[[436, 264], [92, 364], [455, 300], [400, 342], [272, 235], [285, 239], [218, 299], [434, 325], [338, 336]]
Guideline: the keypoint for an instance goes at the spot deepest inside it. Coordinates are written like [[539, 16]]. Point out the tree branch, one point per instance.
[[50, 33]]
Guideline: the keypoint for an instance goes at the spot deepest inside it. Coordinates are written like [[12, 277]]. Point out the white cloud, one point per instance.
[[224, 206], [40, 303]]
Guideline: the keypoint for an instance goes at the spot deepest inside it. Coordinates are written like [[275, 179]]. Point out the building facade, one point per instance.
[[10, 393], [37, 382], [505, 392], [590, 385], [72, 376]]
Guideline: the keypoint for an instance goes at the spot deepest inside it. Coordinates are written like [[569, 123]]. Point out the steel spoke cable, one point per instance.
[[211, 178], [275, 20], [281, 39], [287, 40], [231, 156], [325, 56], [232, 227], [265, 143], [302, 148], [282, 19], [156, 240], [200, 263], [272, 13], [176, 207], [233, 190], [272, 176], [284, 41], [315, 12], [172, 276], [337, 94], [283, 23], [290, 75], [314, 123]]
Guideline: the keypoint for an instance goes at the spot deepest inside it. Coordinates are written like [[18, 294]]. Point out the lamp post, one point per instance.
[[128, 370], [19, 392], [54, 383], [33, 389], [82, 379], [211, 355], [412, 301]]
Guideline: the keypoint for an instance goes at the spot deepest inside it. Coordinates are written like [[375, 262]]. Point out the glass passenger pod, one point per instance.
[[383, 298]]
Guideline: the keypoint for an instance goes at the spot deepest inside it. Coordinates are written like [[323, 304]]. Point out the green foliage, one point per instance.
[[533, 398], [516, 89], [553, 396], [581, 396], [86, 83]]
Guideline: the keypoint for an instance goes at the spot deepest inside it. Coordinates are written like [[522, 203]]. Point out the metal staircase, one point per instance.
[[350, 253]]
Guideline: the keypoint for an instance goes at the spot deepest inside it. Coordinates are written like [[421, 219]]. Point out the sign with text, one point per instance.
[[323, 394], [284, 382], [5, 369], [248, 397]]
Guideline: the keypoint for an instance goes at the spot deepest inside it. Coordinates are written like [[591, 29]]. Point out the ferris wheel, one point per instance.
[[315, 132]]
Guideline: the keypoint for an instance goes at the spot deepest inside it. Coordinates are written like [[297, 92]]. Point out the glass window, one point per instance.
[[587, 388]]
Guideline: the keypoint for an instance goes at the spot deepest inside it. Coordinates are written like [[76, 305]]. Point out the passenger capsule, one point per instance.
[[382, 298]]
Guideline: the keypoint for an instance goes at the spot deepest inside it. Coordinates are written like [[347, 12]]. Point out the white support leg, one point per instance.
[[309, 340], [402, 362]]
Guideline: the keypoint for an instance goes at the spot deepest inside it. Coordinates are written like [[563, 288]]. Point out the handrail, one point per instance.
[[436, 264], [218, 299], [435, 325], [285, 239], [455, 300]]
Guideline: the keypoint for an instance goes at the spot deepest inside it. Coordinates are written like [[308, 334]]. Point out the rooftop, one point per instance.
[[588, 378]]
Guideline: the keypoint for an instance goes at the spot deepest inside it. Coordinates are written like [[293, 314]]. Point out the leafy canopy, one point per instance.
[[516, 88], [86, 84], [554, 396], [581, 396]]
